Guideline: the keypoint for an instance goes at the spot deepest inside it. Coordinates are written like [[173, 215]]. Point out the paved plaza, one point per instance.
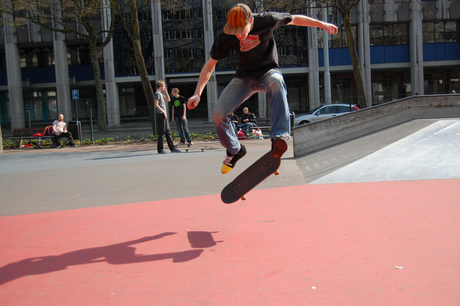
[[374, 221]]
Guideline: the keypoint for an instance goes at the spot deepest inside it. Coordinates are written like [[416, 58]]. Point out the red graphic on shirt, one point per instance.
[[249, 43]]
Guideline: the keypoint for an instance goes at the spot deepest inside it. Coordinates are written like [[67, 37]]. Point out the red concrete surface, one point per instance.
[[334, 244]]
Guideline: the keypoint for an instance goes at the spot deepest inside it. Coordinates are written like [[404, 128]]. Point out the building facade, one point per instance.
[[405, 47]]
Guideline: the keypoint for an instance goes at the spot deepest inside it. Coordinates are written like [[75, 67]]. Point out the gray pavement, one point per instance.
[[44, 180]]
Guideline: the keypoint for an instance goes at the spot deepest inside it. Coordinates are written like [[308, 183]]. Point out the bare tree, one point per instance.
[[82, 17], [345, 7], [129, 18]]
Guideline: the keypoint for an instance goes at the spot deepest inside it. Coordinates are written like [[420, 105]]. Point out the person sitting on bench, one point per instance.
[[60, 130], [248, 120]]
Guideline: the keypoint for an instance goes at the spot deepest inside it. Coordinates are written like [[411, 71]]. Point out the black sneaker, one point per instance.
[[279, 146], [176, 151], [230, 160]]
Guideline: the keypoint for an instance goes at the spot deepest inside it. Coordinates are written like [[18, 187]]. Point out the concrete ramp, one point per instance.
[[317, 136]]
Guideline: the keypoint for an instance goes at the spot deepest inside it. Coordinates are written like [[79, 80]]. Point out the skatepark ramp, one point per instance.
[[312, 137]]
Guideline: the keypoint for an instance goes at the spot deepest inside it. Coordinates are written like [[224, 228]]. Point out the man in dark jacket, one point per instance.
[[248, 121]]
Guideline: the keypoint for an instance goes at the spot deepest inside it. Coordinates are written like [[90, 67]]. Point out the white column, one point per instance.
[[364, 49], [443, 9], [13, 72], [63, 95], [416, 49], [211, 87], [390, 11], [313, 69], [157, 39], [111, 87], [61, 67]]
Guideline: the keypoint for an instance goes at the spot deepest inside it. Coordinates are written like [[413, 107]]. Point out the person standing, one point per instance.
[[160, 96], [60, 130], [251, 37], [179, 116]]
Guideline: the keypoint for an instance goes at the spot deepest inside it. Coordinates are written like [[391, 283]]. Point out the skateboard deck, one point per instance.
[[191, 148], [250, 178]]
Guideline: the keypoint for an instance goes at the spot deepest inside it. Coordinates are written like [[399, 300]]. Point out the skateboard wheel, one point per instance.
[[276, 172], [186, 150], [243, 198]]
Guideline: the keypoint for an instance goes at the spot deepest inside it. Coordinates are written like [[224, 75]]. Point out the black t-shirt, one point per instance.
[[257, 54], [178, 105]]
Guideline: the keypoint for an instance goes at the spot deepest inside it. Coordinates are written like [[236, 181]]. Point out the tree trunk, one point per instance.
[[143, 74], [362, 99], [101, 105]]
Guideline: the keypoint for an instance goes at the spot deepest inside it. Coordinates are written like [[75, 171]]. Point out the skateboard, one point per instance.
[[250, 178], [190, 148]]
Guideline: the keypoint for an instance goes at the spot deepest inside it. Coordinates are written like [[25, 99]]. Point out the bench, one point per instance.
[[28, 133], [263, 124]]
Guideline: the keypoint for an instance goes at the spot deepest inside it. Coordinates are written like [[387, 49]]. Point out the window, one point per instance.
[[440, 32], [376, 34], [389, 34], [338, 40]]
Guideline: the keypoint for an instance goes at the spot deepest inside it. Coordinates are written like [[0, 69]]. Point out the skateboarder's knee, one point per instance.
[[219, 116]]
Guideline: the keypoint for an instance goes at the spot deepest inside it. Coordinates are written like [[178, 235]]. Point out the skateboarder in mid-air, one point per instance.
[[251, 36]]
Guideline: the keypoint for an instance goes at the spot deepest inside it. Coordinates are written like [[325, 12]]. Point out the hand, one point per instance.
[[193, 102], [166, 116], [172, 119], [183, 118], [330, 28]]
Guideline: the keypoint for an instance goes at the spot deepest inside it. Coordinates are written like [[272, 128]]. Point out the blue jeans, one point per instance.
[[182, 128], [246, 126], [238, 91]]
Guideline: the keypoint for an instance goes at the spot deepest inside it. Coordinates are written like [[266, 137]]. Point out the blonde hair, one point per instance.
[[175, 90], [160, 84]]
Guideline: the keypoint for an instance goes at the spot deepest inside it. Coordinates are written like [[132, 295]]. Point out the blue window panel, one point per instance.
[[102, 67], [39, 75], [346, 57], [388, 54], [429, 52], [335, 57], [401, 53], [440, 52], [377, 55], [3, 77], [85, 72], [452, 51], [320, 57]]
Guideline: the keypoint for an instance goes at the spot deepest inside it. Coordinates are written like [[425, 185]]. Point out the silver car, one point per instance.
[[324, 112]]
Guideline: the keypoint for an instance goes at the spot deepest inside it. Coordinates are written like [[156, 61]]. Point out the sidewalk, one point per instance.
[[141, 129]]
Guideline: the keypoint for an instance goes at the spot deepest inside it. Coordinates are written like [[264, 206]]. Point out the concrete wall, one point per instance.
[[316, 136]]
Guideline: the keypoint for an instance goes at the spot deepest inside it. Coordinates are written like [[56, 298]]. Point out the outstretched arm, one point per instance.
[[304, 21], [205, 74]]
